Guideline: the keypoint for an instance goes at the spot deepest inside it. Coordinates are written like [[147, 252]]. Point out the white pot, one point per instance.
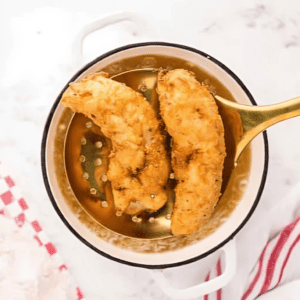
[[223, 237]]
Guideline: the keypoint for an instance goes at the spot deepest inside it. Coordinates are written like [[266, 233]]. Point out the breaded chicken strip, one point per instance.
[[139, 166], [198, 151]]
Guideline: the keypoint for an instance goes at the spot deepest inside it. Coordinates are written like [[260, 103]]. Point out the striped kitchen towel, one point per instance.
[[272, 266], [272, 263], [31, 268], [275, 273]]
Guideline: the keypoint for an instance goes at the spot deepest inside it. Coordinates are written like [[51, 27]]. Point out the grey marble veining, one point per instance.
[[258, 40]]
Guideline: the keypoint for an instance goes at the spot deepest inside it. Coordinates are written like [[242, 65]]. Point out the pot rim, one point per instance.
[[44, 168]]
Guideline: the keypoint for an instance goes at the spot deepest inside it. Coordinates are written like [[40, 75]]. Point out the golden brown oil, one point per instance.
[[82, 138]]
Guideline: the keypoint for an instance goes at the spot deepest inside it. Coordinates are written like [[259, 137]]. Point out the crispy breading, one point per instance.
[[139, 166], [198, 147]]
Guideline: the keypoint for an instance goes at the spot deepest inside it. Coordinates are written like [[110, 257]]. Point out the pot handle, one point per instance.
[[140, 27], [203, 288]]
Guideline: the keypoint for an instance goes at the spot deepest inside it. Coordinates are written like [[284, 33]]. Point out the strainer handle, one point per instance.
[[140, 29], [206, 287]]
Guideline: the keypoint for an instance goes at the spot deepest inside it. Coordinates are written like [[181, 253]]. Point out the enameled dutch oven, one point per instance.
[[155, 254]]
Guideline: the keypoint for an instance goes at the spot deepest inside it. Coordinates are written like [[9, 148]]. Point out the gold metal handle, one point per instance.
[[252, 120]]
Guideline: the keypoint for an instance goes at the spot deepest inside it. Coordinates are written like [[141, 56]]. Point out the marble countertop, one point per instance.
[[258, 40]]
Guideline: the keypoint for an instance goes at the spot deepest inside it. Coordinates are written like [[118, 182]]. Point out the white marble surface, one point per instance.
[[257, 40]]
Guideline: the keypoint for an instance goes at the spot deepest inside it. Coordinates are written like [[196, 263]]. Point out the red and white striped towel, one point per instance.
[[275, 273], [273, 261], [13, 206], [271, 267]]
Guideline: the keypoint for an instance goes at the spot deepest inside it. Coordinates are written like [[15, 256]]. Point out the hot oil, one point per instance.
[[88, 178], [98, 201]]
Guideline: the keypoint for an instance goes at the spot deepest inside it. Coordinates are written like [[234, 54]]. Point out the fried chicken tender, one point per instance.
[[198, 147], [139, 166]]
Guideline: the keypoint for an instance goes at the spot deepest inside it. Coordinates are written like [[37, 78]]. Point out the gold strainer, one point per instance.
[[86, 160]]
